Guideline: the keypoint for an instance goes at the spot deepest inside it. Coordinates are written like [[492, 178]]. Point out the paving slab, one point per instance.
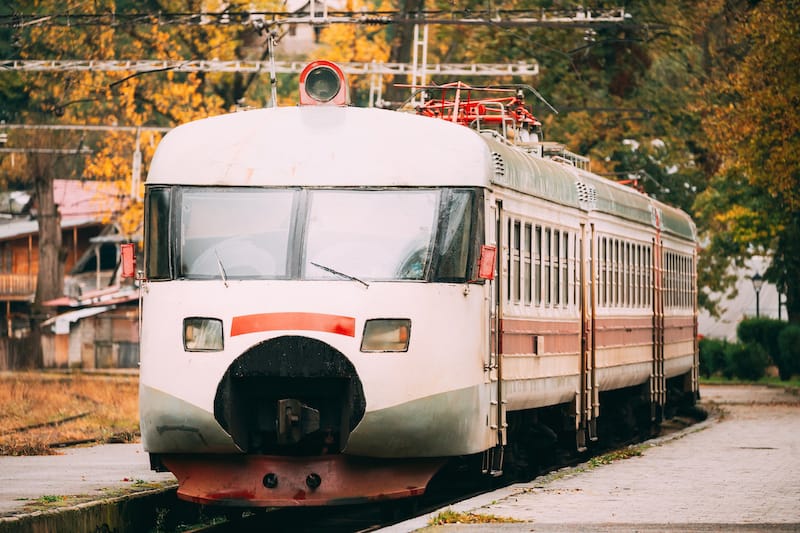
[[737, 472], [93, 473]]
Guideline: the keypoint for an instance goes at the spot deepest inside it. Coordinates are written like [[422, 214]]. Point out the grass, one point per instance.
[[40, 411], [617, 455], [793, 383]]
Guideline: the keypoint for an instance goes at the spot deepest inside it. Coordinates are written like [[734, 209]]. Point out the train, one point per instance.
[[337, 302]]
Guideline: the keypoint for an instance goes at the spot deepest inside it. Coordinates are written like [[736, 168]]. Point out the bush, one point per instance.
[[712, 356], [746, 361], [788, 359], [764, 331]]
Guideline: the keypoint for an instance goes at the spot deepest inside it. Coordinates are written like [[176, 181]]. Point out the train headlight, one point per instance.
[[323, 83], [202, 334], [386, 335]]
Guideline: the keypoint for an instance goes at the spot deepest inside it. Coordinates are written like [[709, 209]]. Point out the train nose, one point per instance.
[[290, 396]]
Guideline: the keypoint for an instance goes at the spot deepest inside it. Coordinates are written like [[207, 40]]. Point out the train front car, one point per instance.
[[313, 326]]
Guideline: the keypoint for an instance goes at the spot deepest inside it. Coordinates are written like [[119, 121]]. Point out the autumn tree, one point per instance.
[[752, 206], [355, 43], [123, 100]]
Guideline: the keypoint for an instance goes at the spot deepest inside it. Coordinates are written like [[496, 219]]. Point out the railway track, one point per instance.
[[452, 486]]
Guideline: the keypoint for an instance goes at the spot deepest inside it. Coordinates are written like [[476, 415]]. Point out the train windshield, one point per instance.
[[370, 234], [235, 233], [314, 234]]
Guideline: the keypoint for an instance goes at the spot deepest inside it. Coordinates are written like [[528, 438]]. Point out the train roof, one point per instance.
[[568, 185], [316, 146]]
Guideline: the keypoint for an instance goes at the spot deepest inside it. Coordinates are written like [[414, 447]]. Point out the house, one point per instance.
[[90, 252]]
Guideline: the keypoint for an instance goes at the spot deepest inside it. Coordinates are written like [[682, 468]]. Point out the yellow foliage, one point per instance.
[[345, 43], [127, 99]]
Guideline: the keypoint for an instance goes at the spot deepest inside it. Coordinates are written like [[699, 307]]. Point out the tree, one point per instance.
[[753, 203], [350, 42], [128, 99]]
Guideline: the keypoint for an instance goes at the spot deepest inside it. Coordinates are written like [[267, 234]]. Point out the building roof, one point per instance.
[[81, 203], [100, 297], [93, 199], [19, 228]]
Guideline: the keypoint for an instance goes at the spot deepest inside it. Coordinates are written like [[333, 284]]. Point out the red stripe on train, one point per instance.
[[340, 325]]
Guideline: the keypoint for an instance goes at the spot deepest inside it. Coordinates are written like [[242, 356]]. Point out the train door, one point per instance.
[[493, 366], [658, 394], [588, 400]]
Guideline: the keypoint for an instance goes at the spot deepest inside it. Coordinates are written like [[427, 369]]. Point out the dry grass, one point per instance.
[[448, 516], [41, 411]]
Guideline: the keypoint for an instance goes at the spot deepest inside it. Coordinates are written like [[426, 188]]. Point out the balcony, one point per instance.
[[17, 287]]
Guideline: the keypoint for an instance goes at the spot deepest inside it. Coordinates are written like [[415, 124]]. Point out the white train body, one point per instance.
[[276, 238]]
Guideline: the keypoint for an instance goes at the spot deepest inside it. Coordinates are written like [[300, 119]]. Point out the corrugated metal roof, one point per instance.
[[21, 228], [80, 203], [61, 322]]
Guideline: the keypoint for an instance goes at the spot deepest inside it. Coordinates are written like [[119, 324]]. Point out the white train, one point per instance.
[[338, 300]]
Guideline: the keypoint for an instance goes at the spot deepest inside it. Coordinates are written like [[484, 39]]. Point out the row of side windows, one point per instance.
[[541, 262], [625, 273], [542, 265], [678, 281]]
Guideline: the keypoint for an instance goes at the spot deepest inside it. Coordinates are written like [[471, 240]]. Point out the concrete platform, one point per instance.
[[77, 478], [739, 472]]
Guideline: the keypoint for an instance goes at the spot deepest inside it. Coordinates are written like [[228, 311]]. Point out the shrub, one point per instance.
[[788, 359], [746, 361], [712, 356], [764, 331]]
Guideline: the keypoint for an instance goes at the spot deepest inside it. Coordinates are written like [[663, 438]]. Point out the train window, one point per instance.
[[537, 267], [628, 275], [157, 250], [624, 269], [517, 273], [610, 269], [237, 233], [666, 280], [527, 261], [648, 264], [637, 265], [672, 279], [642, 277], [565, 269], [601, 267], [621, 274], [615, 268], [456, 222], [547, 249], [509, 259], [370, 234], [556, 267]]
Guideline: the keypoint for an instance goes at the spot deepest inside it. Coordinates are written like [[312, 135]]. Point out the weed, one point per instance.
[[616, 455], [449, 516]]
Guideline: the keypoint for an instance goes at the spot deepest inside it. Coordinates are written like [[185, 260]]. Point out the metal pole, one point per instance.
[[757, 310]]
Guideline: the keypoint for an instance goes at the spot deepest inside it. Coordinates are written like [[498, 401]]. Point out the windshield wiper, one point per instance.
[[221, 269], [341, 274]]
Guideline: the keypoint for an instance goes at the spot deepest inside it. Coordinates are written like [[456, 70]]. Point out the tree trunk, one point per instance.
[[785, 268], [50, 274], [50, 281], [402, 42]]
